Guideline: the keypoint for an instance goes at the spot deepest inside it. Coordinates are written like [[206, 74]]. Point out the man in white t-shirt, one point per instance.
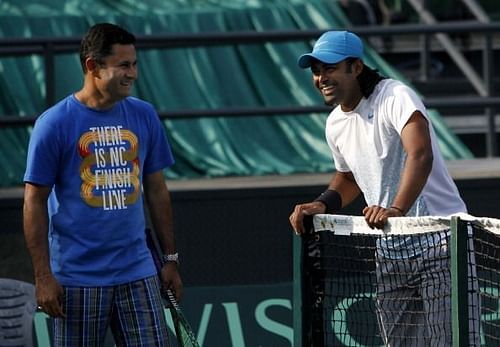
[[383, 146]]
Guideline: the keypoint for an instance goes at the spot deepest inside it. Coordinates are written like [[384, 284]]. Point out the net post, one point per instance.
[[297, 290], [459, 298]]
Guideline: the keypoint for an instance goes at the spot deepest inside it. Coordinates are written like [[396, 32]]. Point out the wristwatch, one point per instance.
[[170, 257]]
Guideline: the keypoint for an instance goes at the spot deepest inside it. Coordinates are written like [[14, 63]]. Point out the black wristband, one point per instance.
[[332, 200]]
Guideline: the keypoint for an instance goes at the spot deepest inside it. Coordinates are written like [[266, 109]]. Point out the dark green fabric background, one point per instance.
[[194, 78]]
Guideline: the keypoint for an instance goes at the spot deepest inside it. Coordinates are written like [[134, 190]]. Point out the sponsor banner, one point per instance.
[[261, 315], [253, 315]]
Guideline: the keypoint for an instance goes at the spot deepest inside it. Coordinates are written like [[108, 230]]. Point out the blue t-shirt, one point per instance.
[[95, 161]]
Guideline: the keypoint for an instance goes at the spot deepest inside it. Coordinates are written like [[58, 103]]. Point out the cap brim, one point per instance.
[[305, 60]]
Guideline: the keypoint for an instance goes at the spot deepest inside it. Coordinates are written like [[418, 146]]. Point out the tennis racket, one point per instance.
[[183, 331]]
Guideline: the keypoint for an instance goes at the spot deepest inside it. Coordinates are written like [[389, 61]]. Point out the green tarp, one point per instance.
[[243, 75]]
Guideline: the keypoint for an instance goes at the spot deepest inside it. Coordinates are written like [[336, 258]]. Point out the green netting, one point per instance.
[[193, 78]]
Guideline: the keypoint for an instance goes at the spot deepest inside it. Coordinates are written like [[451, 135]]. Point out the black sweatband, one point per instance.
[[332, 200]]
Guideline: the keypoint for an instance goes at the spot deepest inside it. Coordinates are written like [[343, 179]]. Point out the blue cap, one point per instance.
[[333, 47]]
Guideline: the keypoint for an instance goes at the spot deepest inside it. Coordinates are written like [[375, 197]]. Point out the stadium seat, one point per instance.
[[17, 308]]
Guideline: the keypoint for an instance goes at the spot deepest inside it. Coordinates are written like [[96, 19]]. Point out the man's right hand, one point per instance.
[[303, 210], [49, 295]]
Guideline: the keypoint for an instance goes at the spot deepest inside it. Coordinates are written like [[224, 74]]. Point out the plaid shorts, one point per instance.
[[133, 311]]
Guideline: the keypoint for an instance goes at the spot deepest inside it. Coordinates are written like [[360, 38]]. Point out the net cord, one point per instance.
[[347, 225]]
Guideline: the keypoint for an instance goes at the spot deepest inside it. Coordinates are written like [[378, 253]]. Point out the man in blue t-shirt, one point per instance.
[[90, 159]]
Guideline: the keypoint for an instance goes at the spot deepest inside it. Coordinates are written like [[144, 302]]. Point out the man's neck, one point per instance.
[[94, 99]]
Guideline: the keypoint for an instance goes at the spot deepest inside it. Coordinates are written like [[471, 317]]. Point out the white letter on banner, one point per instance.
[[202, 329], [339, 321], [270, 325], [234, 322]]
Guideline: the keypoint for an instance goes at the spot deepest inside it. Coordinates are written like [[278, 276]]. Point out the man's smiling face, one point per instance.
[[338, 82]]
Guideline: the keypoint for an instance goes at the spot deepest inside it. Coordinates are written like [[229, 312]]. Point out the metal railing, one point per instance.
[[50, 47]]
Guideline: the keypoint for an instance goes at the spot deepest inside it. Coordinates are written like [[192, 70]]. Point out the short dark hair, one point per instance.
[[99, 40], [367, 79]]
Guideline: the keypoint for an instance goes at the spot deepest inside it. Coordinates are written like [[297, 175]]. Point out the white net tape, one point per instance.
[[346, 225]]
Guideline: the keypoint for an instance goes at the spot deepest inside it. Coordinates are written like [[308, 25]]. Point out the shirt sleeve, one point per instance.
[[401, 103], [43, 154], [338, 159], [159, 154]]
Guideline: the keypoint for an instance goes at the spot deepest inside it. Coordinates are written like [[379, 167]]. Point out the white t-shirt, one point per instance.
[[367, 142]]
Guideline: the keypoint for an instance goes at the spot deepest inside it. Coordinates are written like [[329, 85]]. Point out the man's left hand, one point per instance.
[[171, 279], [376, 216]]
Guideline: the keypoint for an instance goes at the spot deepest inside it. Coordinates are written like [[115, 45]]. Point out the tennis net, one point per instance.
[[421, 281]]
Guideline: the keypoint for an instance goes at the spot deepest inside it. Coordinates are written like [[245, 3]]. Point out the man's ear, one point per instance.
[[91, 65], [357, 66]]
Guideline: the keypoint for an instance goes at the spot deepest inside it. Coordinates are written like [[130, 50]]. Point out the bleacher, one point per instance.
[[437, 75], [203, 77]]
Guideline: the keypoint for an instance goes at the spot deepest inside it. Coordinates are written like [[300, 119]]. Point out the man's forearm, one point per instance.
[[347, 187], [413, 180], [35, 222], [160, 211]]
